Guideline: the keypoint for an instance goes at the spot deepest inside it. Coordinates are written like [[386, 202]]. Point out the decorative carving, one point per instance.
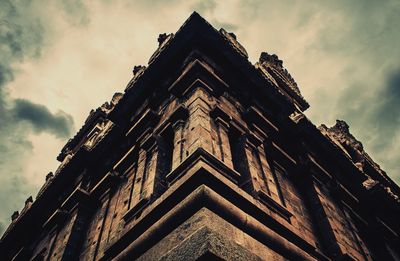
[[97, 133], [274, 67], [116, 98], [67, 159], [29, 201], [163, 40], [347, 142], [49, 176], [94, 117], [107, 107], [231, 38], [370, 183], [391, 194], [28, 204], [296, 116], [353, 148], [137, 71], [15, 215]]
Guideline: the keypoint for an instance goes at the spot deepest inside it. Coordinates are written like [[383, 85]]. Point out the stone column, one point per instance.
[[148, 179], [254, 168], [74, 234], [91, 244], [225, 153], [178, 144], [199, 125], [322, 215], [140, 175], [152, 184], [270, 178]]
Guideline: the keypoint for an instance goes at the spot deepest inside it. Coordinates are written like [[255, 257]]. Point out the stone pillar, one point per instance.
[[178, 144], [318, 204], [127, 189], [152, 184], [254, 168], [270, 179], [140, 176], [73, 235], [148, 179], [199, 125], [224, 147]]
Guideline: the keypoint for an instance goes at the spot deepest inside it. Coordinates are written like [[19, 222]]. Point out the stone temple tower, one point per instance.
[[207, 156]]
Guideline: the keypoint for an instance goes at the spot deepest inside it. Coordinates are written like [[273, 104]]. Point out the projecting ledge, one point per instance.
[[202, 187], [209, 242], [201, 155]]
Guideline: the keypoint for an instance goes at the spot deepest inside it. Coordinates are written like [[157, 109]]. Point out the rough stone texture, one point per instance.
[[207, 157], [203, 232]]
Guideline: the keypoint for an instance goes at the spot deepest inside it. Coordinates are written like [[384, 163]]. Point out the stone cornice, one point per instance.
[[200, 187]]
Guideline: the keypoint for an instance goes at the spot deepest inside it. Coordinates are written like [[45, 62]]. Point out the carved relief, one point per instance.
[[66, 160], [94, 117], [274, 66], [341, 136], [231, 38], [97, 133], [163, 40], [137, 72], [296, 116]]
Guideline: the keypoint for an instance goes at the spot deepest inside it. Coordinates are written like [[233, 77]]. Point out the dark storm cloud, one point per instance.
[[379, 110], [24, 33], [355, 46], [21, 38], [41, 119], [386, 115], [375, 117], [367, 42]]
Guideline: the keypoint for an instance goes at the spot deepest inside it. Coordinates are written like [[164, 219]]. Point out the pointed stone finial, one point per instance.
[[29, 201], [116, 97], [15, 215], [161, 38], [232, 39], [50, 175], [137, 69], [270, 58], [342, 125]]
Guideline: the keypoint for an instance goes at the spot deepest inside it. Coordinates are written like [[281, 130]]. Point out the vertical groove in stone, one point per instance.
[[178, 145], [104, 210], [139, 177], [223, 142]]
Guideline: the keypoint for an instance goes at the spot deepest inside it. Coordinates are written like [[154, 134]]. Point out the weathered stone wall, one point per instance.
[[196, 161]]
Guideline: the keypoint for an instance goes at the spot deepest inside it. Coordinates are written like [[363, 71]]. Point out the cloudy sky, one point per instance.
[[59, 59]]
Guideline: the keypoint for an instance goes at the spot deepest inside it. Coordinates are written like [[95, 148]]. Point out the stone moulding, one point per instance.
[[231, 39], [198, 73], [196, 189], [202, 155]]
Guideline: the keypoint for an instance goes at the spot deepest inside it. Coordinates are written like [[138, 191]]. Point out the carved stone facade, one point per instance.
[[206, 156]]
